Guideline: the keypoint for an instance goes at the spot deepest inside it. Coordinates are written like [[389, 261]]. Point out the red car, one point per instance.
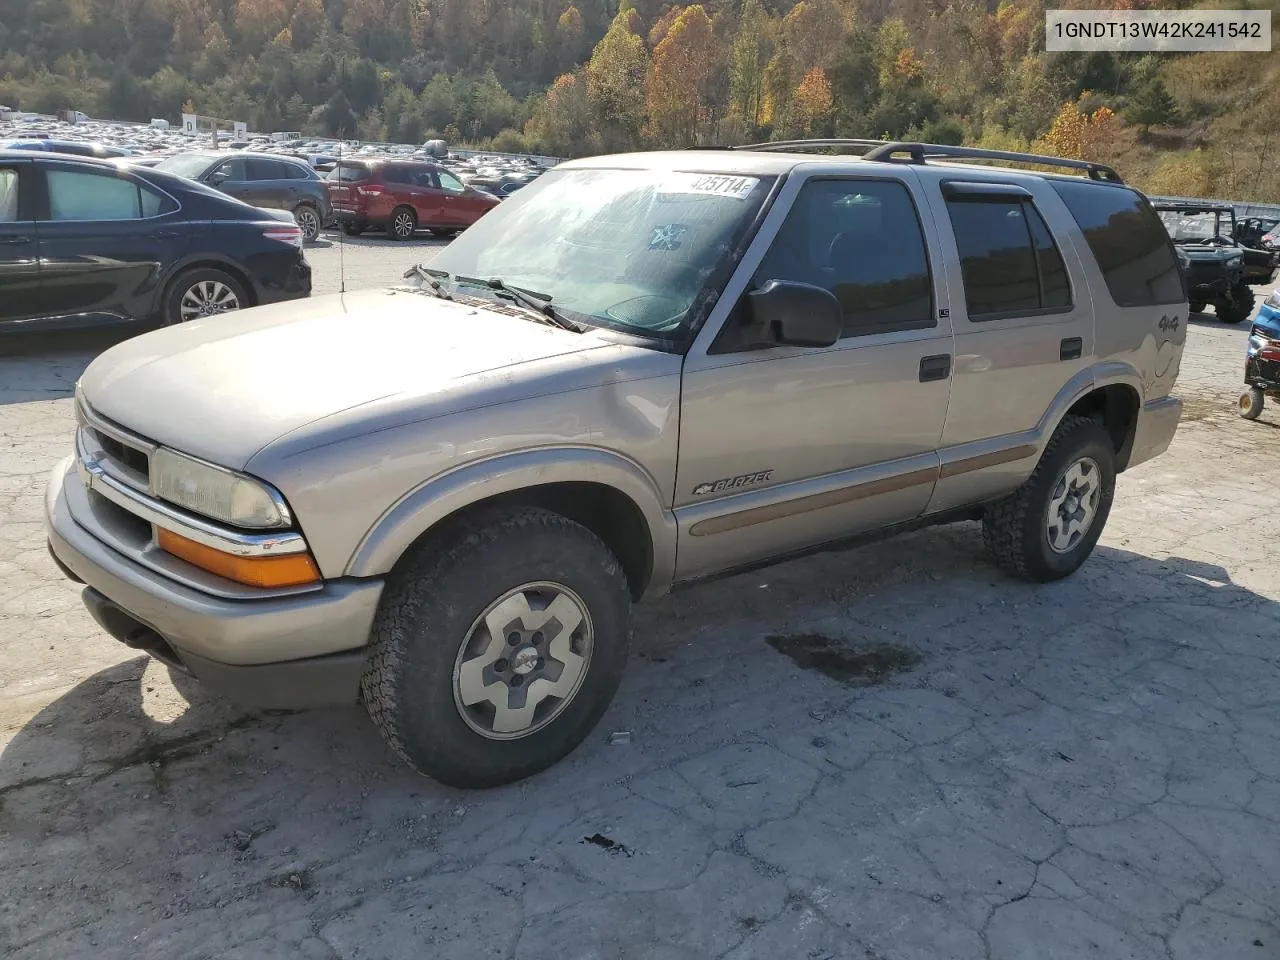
[[403, 196]]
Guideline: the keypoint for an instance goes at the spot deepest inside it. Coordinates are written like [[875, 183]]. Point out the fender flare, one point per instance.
[[420, 509], [1107, 374]]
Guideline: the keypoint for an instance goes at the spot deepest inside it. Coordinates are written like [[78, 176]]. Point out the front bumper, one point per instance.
[[284, 652], [1157, 423]]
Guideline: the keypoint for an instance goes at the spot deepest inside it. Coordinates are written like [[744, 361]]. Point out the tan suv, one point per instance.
[[641, 370]]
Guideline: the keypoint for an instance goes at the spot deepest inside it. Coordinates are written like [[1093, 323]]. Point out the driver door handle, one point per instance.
[[937, 367]]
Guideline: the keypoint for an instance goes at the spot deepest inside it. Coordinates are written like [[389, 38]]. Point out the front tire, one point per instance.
[[403, 224], [1239, 308], [1251, 403], [204, 292], [496, 651], [1047, 528]]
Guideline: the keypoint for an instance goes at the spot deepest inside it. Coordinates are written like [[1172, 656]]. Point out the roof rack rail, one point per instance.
[[792, 145], [889, 150], [920, 152]]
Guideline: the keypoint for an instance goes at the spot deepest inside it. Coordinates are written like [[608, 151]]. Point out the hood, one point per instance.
[[224, 387]]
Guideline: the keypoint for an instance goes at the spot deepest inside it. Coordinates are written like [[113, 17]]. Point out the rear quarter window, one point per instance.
[[1128, 241]]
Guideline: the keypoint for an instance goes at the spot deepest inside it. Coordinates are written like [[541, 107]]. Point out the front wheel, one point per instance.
[[1049, 526], [496, 652], [1251, 402], [203, 293], [1239, 308]]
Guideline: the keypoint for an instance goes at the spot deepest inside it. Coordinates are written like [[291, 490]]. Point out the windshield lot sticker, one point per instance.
[[709, 185], [732, 483], [667, 236]]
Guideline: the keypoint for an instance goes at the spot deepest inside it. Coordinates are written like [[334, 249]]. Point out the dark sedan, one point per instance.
[[262, 179], [85, 242]]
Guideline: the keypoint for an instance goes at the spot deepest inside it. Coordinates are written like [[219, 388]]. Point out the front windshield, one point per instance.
[[189, 165], [1193, 227], [629, 249]]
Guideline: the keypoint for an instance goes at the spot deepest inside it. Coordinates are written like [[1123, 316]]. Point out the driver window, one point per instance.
[[862, 240], [451, 183], [231, 170]]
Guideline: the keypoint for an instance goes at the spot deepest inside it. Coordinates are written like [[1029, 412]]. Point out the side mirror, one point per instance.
[[794, 314], [217, 178]]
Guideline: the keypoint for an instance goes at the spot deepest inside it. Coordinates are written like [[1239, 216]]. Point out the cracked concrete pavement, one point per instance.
[[1086, 769]]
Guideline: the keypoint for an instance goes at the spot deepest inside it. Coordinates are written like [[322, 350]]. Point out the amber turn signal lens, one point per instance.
[[290, 570]]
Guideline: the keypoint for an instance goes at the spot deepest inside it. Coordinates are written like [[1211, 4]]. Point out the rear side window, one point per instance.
[[1128, 240], [1009, 262], [397, 175], [350, 172], [860, 239], [80, 195]]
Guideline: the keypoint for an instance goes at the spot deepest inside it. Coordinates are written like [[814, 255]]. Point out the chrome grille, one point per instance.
[[119, 453]]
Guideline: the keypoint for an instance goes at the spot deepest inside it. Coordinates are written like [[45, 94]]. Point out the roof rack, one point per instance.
[[886, 150]]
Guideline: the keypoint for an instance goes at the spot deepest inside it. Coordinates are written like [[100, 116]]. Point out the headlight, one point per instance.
[[1273, 301], [216, 492]]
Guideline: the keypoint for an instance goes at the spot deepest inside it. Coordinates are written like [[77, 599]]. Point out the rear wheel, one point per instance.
[[203, 293], [496, 651], [308, 220], [403, 223], [1049, 526], [1251, 402]]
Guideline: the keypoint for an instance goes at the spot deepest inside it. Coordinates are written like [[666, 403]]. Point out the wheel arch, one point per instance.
[[206, 261], [1113, 397], [608, 494]]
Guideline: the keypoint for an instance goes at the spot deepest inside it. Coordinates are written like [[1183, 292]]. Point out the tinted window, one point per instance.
[[76, 195], [1008, 260], [426, 178], [1128, 241], [349, 172], [397, 175], [8, 195], [232, 170], [296, 171], [257, 168], [861, 240], [154, 204]]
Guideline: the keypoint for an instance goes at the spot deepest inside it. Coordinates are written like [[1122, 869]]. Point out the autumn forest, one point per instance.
[[573, 77]]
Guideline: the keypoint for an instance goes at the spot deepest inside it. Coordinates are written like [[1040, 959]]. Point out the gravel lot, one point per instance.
[[984, 770]]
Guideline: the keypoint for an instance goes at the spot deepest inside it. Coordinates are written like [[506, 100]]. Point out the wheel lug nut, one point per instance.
[[500, 666], [537, 638], [513, 638]]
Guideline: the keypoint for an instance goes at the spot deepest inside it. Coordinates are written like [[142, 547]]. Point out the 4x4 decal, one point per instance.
[[732, 483]]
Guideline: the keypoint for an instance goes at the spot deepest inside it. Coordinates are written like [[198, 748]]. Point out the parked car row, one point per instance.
[[85, 241]]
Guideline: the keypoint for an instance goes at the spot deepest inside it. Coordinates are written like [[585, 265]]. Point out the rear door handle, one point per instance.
[[935, 368], [1071, 348]]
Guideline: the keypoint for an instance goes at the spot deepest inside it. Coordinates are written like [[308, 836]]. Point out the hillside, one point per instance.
[[579, 76]]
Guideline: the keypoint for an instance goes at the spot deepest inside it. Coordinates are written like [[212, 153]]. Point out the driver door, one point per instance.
[[785, 447]]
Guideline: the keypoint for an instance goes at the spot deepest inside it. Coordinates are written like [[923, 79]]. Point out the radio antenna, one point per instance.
[[342, 263]]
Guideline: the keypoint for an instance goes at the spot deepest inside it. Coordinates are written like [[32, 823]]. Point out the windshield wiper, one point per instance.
[[432, 278], [538, 302]]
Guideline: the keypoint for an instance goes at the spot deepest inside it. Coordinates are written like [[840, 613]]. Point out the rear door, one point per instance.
[[106, 240], [1023, 320], [19, 254]]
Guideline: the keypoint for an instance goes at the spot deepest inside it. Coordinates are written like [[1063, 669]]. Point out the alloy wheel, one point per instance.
[[523, 661], [1073, 505], [206, 298]]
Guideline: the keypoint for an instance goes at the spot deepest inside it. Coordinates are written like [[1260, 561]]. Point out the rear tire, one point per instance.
[[445, 681], [1036, 533], [308, 220], [1239, 308], [203, 292], [1251, 403], [402, 224]]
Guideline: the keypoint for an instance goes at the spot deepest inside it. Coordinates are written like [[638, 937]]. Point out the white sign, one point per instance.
[[239, 130], [189, 123], [709, 184]]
